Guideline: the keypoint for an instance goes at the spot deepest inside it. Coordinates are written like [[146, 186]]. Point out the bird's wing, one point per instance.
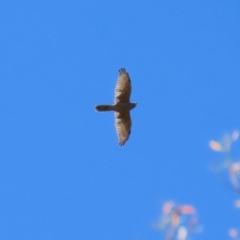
[[123, 88], [123, 125]]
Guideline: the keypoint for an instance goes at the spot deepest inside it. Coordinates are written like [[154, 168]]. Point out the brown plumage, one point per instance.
[[122, 107]]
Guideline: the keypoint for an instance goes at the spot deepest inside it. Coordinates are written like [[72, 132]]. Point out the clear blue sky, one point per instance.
[[62, 173]]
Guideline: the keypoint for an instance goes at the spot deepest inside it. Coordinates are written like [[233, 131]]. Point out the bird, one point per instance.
[[122, 106]]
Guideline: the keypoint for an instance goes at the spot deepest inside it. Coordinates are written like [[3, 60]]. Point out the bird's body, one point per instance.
[[116, 107], [121, 107]]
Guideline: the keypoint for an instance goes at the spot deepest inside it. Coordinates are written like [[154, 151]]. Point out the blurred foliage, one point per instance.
[[229, 168], [180, 222], [177, 222]]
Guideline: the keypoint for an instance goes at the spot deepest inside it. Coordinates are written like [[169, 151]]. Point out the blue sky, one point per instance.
[[62, 173]]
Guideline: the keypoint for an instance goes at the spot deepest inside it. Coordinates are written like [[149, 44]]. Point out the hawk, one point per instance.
[[121, 106]]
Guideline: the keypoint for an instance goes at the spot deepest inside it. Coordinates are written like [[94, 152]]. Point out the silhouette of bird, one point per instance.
[[121, 106]]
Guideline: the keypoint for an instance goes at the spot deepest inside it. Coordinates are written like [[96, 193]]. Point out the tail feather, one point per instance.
[[103, 108]]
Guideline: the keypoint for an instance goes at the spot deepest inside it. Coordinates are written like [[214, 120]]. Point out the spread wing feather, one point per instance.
[[123, 125], [123, 88]]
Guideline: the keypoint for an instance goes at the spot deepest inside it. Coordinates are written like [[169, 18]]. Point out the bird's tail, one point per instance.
[[104, 108]]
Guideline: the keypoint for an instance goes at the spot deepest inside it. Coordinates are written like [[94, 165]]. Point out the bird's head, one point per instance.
[[133, 105]]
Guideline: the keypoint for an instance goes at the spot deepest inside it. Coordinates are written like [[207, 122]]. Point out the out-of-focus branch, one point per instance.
[[177, 222], [230, 167]]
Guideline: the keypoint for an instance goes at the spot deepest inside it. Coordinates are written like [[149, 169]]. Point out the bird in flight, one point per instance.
[[121, 106]]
